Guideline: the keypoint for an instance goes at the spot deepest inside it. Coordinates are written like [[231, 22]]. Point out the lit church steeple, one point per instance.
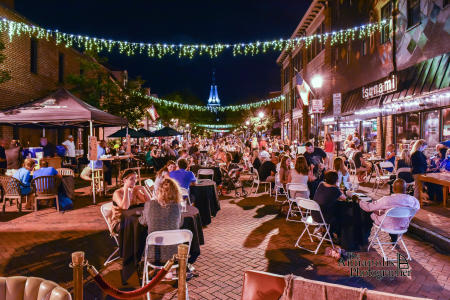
[[213, 99]]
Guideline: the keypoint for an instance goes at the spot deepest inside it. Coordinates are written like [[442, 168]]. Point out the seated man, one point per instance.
[[45, 170], [361, 166], [183, 177], [268, 170], [382, 205]]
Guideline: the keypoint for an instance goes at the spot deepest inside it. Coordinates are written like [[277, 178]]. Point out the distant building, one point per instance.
[[213, 99]]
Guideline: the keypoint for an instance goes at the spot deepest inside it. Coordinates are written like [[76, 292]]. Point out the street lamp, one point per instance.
[[317, 82], [261, 114], [247, 122]]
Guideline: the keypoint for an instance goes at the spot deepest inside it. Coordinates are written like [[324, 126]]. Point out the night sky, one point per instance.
[[239, 79]]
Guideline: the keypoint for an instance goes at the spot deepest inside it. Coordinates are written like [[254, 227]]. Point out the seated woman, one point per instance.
[[24, 176], [127, 196], [163, 213], [403, 162], [301, 174], [285, 170], [343, 174], [361, 166], [327, 195], [390, 156]]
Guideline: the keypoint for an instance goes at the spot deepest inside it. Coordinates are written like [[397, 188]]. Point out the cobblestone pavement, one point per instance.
[[247, 234]]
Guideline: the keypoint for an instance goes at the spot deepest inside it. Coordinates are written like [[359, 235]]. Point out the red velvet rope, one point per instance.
[[109, 290]]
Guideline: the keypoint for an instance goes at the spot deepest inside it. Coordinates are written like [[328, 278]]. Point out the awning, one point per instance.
[[60, 108]]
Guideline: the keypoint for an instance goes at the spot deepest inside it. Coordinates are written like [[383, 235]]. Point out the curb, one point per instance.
[[440, 242]]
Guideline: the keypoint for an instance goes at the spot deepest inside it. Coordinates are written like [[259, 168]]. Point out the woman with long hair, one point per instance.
[[419, 164], [343, 174], [285, 167], [163, 213], [302, 174], [329, 149], [128, 195]]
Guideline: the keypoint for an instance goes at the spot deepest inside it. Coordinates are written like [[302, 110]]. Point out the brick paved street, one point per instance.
[[246, 234]]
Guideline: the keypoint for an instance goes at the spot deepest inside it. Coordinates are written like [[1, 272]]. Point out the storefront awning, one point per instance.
[[353, 102]]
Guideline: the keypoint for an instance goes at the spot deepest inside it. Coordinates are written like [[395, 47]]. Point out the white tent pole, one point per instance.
[[43, 131], [92, 164]]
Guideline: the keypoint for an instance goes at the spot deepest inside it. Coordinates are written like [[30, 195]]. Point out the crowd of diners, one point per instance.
[[324, 174]]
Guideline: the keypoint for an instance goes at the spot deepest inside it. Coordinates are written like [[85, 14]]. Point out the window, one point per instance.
[[446, 124], [317, 45], [431, 127], [364, 47], [33, 55], [386, 12], [61, 67], [413, 12], [407, 127]]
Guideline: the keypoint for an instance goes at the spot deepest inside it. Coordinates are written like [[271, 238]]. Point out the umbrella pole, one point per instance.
[[92, 165]]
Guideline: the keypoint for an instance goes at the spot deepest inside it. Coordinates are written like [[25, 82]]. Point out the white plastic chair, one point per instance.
[[206, 172], [257, 182], [309, 206], [106, 210], [185, 194], [291, 190], [164, 238], [150, 186], [279, 188], [384, 165], [380, 180], [396, 212]]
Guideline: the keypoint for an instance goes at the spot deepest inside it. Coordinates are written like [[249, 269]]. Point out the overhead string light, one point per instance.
[[159, 50], [193, 107], [215, 126]]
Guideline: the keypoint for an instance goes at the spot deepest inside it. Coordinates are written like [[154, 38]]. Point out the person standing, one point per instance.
[[418, 163], [329, 150], [49, 149], [14, 155], [70, 149]]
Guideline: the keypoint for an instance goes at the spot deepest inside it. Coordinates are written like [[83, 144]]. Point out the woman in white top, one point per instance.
[[301, 174], [343, 174]]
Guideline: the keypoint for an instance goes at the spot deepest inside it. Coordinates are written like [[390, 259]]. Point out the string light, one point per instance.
[[192, 107], [215, 126], [160, 50]]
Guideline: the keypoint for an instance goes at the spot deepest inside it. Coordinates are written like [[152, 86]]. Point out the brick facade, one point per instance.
[[25, 85]]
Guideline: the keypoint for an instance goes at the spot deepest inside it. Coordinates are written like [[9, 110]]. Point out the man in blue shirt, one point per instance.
[[183, 177], [44, 170]]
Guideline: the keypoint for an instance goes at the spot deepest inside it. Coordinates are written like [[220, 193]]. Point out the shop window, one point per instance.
[[413, 12], [446, 124], [431, 127], [33, 55], [407, 127], [386, 12], [369, 135]]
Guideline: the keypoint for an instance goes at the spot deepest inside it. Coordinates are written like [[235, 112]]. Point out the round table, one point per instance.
[[204, 197], [132, 237], [355, 225]]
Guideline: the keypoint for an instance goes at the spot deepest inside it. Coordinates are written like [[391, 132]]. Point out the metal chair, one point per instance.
[[45, 187], [384, 165], [257, 182], [279, 188], [352, 170], [11, 190], [164, 238], [206, 172], [396, 212], [380, 180], [291, 190], [309, 206], [65, 172], [106, 210]]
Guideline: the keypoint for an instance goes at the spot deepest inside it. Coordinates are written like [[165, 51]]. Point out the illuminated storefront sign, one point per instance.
[[383, 87]]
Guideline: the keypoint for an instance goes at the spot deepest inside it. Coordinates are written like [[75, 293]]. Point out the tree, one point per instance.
[[5, 75]]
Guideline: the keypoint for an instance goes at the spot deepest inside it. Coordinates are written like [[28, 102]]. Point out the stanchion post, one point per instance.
[[77, 265], [182, 264]]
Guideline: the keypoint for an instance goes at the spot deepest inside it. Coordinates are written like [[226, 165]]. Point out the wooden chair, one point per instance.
[[11, 190], [45, 187], [65, 172]]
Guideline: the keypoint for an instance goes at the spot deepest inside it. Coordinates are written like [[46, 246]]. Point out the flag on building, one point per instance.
[[153, 113], [303, 91]]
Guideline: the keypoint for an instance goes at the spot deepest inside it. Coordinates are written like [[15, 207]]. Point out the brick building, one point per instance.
[[37, 68], [414, 104]]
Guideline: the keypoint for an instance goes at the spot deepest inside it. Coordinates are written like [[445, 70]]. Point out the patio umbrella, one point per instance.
[[166, 131], [145, 132], [123, 133]]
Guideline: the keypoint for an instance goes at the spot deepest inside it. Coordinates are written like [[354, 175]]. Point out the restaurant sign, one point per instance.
[[388, 85]]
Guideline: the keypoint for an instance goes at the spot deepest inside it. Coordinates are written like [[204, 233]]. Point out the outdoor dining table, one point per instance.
[[133, 235], [442, 179], [203, 195], [355, 225]]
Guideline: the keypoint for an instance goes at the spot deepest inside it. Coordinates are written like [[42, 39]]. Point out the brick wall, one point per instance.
[[24, 85]]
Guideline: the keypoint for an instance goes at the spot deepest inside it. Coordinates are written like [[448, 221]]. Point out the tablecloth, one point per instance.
[[355, 225], [204, 197], [132, 238]]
